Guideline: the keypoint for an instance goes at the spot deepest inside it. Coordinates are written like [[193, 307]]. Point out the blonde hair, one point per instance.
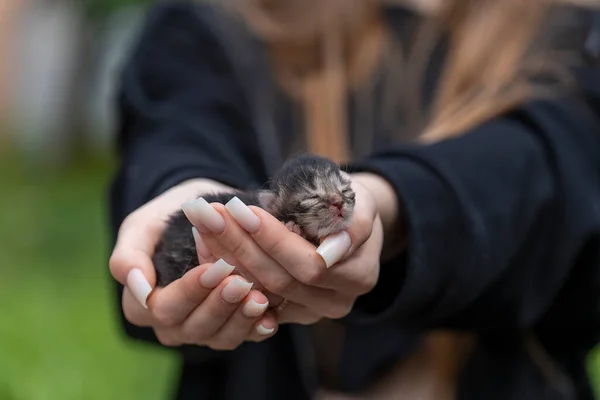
[[322, 50]]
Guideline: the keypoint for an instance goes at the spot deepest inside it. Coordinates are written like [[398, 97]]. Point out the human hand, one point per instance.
[[206, 306], [285, 264]]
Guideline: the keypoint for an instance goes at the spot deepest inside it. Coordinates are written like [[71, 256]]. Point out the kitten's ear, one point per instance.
[[266, 199]]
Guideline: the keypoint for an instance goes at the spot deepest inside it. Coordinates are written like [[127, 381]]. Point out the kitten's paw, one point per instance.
[[294, 227]]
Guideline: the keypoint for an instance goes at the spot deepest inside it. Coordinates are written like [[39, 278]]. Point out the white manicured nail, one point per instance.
[[199, 211], [236, 290], [252, 309], [215, 274], [264, 331], [243, 215], [138, 286], [334, 248], [203, 252]]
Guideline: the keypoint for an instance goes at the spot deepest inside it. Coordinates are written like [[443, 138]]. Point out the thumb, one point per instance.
[[131, 260]]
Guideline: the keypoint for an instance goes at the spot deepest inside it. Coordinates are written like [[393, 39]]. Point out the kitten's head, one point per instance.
[[313, 192]]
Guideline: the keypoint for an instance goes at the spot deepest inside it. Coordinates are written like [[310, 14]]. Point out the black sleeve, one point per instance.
[[500, 220], [182, 115]]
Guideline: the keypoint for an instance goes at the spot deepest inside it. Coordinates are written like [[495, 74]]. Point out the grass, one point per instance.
[[59, 337]]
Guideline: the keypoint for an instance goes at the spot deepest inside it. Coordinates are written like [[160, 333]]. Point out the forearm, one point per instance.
[[488, 220]]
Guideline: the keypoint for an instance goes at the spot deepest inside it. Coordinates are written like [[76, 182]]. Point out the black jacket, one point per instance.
[[504, 221]]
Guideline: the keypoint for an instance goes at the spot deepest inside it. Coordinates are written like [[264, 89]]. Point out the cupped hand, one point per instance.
[[207, 306], [317, 283]]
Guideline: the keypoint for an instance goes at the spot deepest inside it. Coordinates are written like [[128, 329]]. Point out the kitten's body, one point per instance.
[[309, 194]]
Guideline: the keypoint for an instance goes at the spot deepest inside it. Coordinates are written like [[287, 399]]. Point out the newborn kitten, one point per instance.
[[309, 194]]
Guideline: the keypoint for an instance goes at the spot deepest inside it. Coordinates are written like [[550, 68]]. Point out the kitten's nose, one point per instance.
[[337, 204]]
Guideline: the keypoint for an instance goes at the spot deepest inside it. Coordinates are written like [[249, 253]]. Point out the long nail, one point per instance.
[[261, 330], [243, 215], [252, 309], [203, 213], [215, 274], [334, 248], [236, 290], [201, 248], [139, 286]]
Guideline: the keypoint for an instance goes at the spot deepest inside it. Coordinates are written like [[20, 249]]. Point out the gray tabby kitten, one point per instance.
[[310, 194]]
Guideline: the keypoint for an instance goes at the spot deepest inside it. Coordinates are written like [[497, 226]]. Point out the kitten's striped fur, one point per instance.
[[303, 194]]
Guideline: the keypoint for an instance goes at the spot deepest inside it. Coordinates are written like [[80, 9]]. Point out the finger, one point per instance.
[[131, 260], [362, 269], [168, 337], [204, 322], [265, 328], [229, 239], [297, 314], [236, 242], [135, 245], [170, 305], [241, 324], [206, 219], [134, 312], [274, 238], [361, 224], [204, 255], [299, 257]]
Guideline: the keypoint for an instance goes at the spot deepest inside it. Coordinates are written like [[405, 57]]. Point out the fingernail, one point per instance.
[[236, 290], [201, 248], [252, 309], [243, 215], [200, 211], [334, 248], [264, 331], [201, 227], [139, 286], [215, 274]]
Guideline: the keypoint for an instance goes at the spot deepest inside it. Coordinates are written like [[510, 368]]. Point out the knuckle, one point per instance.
[[133, 220], [131, 316], [274, 248], [312, 275], [364, 288], [239, 250], [370, 279], [280, 284], [339, 310], [165, 339], [365, 282], [192, 290], [118, 263], [308, 319], [192, 336], [129, 220], [225, 344], [363, 226], [163, 318]]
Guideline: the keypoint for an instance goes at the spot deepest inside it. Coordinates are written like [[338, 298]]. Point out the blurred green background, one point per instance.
[[59, 333], [60, 337]]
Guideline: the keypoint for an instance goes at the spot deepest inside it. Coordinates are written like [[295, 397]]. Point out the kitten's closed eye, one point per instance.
[[349, 193]]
